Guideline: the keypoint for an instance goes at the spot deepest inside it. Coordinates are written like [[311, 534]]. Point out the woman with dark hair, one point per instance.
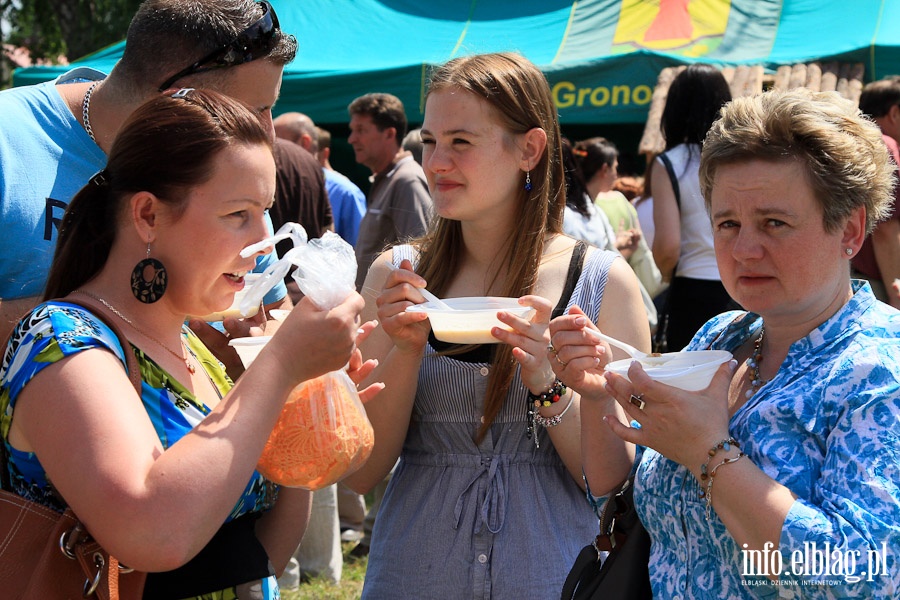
[[582, 219], [154, 237], [486, 500], [683, 239]]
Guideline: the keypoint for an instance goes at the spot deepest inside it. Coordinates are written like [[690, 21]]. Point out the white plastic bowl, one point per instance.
[[471, 319], [249, 347], [690, 371], [279, 314]]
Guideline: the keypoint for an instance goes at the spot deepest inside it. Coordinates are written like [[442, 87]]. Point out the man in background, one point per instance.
[[399, 205], [348, 203]]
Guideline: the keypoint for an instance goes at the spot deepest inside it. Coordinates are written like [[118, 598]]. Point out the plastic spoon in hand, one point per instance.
[[641, 357], [428, 295]]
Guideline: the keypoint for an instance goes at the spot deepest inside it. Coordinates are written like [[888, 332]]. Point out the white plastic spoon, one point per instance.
[[642, 357], [428, 295]]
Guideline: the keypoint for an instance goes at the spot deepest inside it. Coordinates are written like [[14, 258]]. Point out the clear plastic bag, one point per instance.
[[323, 433]]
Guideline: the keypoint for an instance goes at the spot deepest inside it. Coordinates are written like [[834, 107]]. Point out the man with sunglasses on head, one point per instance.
[[54, 136]]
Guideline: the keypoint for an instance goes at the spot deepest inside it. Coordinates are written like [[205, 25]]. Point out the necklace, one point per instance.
[[86, 115], [115, 311], [756, 380]]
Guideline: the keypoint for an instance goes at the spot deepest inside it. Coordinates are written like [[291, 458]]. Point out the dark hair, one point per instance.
[[167, 35], [385, 110], [166, 147], [593, 154], [693, 103], [520, 98], [577, 196], [878, 97]]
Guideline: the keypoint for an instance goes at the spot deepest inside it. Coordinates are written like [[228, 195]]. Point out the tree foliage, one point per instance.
[[71, 28]]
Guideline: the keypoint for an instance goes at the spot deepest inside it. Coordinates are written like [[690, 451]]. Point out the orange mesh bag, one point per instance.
[[322, 435]]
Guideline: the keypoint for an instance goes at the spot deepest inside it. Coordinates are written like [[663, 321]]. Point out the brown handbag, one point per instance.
[[46, 555]]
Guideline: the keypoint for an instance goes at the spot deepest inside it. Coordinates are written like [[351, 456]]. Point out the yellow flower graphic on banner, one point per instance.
[[688, 27]]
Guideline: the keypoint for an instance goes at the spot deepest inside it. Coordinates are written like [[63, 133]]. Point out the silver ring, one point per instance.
[[638, 401], [551, 349]]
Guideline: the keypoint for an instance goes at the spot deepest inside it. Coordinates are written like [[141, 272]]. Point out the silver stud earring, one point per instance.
[[849, 251]]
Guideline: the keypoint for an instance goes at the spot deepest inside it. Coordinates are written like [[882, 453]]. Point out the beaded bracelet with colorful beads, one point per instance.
[[557, 390]]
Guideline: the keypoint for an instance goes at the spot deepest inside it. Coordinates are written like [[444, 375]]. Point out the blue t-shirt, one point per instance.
[[46, 157], [348, 205]]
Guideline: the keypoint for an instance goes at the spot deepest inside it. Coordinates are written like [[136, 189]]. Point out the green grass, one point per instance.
[[349, 588]]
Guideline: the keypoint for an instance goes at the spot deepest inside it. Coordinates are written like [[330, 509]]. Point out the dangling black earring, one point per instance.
[[528, 185], [149, 290]]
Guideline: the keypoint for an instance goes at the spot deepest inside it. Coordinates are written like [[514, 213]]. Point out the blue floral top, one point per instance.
[[55, 330], [827, 426]]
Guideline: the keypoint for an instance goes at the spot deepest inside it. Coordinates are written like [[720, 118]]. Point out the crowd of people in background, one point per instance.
[[767, 227]]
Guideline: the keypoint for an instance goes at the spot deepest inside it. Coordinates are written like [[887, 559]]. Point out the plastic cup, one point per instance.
[[248, 348], [470, 319], [690, 371], [235, 309]]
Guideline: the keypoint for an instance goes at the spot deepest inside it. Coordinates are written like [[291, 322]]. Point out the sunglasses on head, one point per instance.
[[252, 43]]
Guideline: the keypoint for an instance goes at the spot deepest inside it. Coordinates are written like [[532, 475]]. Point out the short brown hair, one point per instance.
[[878, 97], [842, 153], [385, 110], [167, 35]]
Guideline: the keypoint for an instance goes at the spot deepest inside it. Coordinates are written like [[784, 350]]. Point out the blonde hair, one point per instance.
[[842, 153], [520, 97]]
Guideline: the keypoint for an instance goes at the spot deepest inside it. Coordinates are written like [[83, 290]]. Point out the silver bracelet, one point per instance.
[[555, 419]]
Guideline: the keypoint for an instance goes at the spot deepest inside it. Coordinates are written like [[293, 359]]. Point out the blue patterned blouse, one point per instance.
[[55, 330], [827, 426]]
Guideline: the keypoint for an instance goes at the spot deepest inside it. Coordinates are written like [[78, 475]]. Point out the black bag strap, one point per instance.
[[659, 341], [576, 264], [667, 163]]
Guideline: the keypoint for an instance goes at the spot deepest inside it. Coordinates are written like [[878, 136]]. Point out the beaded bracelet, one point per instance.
[[551, 396], [704, 468], [712, 478], [535, 401], [555, 419]]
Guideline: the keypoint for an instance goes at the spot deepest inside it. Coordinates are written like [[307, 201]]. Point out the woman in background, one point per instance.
[[683, 235]]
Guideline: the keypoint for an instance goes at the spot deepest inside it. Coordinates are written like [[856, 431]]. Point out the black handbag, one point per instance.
[[624, 574]]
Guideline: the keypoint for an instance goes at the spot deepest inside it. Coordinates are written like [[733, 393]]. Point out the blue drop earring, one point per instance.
[[528, 185]]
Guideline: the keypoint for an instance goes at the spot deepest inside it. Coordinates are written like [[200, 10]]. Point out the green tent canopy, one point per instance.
[[601, 57]]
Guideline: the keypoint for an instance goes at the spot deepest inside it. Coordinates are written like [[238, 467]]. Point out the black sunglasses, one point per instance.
[[254, 42]]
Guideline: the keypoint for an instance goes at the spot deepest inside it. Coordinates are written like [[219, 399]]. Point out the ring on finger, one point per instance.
[[551, 349], [638, 401], [560, 361]]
